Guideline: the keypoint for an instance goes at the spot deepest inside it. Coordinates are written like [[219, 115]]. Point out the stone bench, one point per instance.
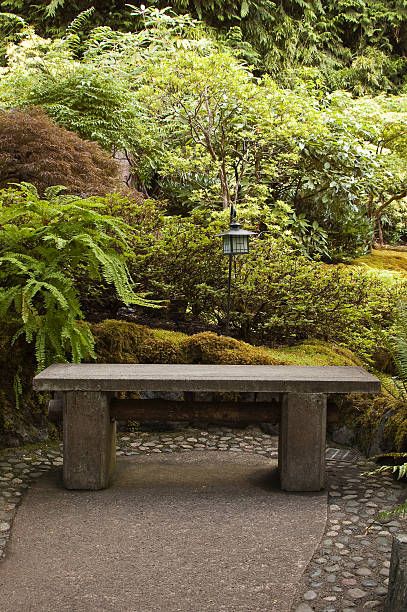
[[86, 393]]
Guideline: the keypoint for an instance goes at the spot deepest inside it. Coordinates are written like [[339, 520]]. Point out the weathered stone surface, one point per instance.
[[235, 378], [302, 442], [89, 441], [396, 600]]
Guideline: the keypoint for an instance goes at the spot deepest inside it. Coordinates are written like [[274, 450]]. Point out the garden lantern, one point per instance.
[[235, 242]]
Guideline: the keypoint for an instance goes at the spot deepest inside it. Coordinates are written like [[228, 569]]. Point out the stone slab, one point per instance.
[[234, 378], [396, 600], [193, 532]]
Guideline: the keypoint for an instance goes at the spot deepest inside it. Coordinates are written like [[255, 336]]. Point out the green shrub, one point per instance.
[[33, 149], [44, 245], [278, 295]]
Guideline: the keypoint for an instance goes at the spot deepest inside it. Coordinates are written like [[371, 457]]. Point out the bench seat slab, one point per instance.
[[89, 440], [302, 442]]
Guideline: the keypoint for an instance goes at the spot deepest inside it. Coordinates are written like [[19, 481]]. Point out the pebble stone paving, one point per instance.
[[348, 572]]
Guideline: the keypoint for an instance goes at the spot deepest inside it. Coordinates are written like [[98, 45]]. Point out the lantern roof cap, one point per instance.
[[235, 230]]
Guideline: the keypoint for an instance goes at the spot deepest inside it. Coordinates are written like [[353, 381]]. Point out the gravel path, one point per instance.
[[348, 572]]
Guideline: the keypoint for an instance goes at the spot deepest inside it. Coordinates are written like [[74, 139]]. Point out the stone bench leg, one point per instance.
[[89, 440], [302, 442]]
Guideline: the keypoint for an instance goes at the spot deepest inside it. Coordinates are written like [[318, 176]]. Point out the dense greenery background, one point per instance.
[[128, 132]]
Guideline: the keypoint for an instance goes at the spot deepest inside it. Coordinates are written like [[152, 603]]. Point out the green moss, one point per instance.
[[385, 260], [124, 342], [211, 348], [317, 353]]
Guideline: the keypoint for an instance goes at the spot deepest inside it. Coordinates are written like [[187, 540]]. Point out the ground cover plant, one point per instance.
[[45, 243]]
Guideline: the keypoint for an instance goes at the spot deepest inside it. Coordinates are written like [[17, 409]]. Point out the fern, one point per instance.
[[12, 18], [53, 7], [80, 22], [75, 30], [43, 244]]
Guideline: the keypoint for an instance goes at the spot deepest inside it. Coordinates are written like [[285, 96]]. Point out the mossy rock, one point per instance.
[[380, 422], [391, 459], [210, 348], [124, 342], [385, 260]]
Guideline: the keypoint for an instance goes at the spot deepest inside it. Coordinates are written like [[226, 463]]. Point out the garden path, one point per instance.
[[142, 514], [177, 532]]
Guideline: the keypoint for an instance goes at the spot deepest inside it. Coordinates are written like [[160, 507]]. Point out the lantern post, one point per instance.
[[235, 242]]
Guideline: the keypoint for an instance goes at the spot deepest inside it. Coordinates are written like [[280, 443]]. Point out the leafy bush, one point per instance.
[[197, 128], [44, 244], [278, 294], [35, 150]]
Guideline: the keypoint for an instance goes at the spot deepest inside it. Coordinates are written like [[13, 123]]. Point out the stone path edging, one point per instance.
[[348, 572]]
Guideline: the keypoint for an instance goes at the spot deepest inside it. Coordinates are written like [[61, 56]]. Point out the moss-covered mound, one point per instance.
[[124, 342], [385, 260]]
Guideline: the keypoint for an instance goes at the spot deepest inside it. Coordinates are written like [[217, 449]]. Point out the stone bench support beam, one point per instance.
[[302, 442], [89, 440]]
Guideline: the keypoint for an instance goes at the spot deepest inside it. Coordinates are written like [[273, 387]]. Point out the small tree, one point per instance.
[[35, 150]]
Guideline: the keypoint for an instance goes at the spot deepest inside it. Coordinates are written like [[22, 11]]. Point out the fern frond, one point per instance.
[[11, 17], [53, 7], [78, 24]]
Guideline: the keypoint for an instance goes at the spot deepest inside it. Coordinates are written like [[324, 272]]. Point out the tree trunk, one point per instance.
[[224, 187], [380, 231]]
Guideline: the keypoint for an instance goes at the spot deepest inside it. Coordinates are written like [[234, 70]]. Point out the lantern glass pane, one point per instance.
[[240, 244], [226, 245]]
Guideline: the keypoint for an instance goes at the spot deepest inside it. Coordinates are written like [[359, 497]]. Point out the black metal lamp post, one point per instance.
[[235, 242]]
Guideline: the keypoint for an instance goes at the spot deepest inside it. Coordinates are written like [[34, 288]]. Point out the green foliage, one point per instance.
[[44, 244], [388, 260], [197, 128], [353, 44], [278, 294]]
